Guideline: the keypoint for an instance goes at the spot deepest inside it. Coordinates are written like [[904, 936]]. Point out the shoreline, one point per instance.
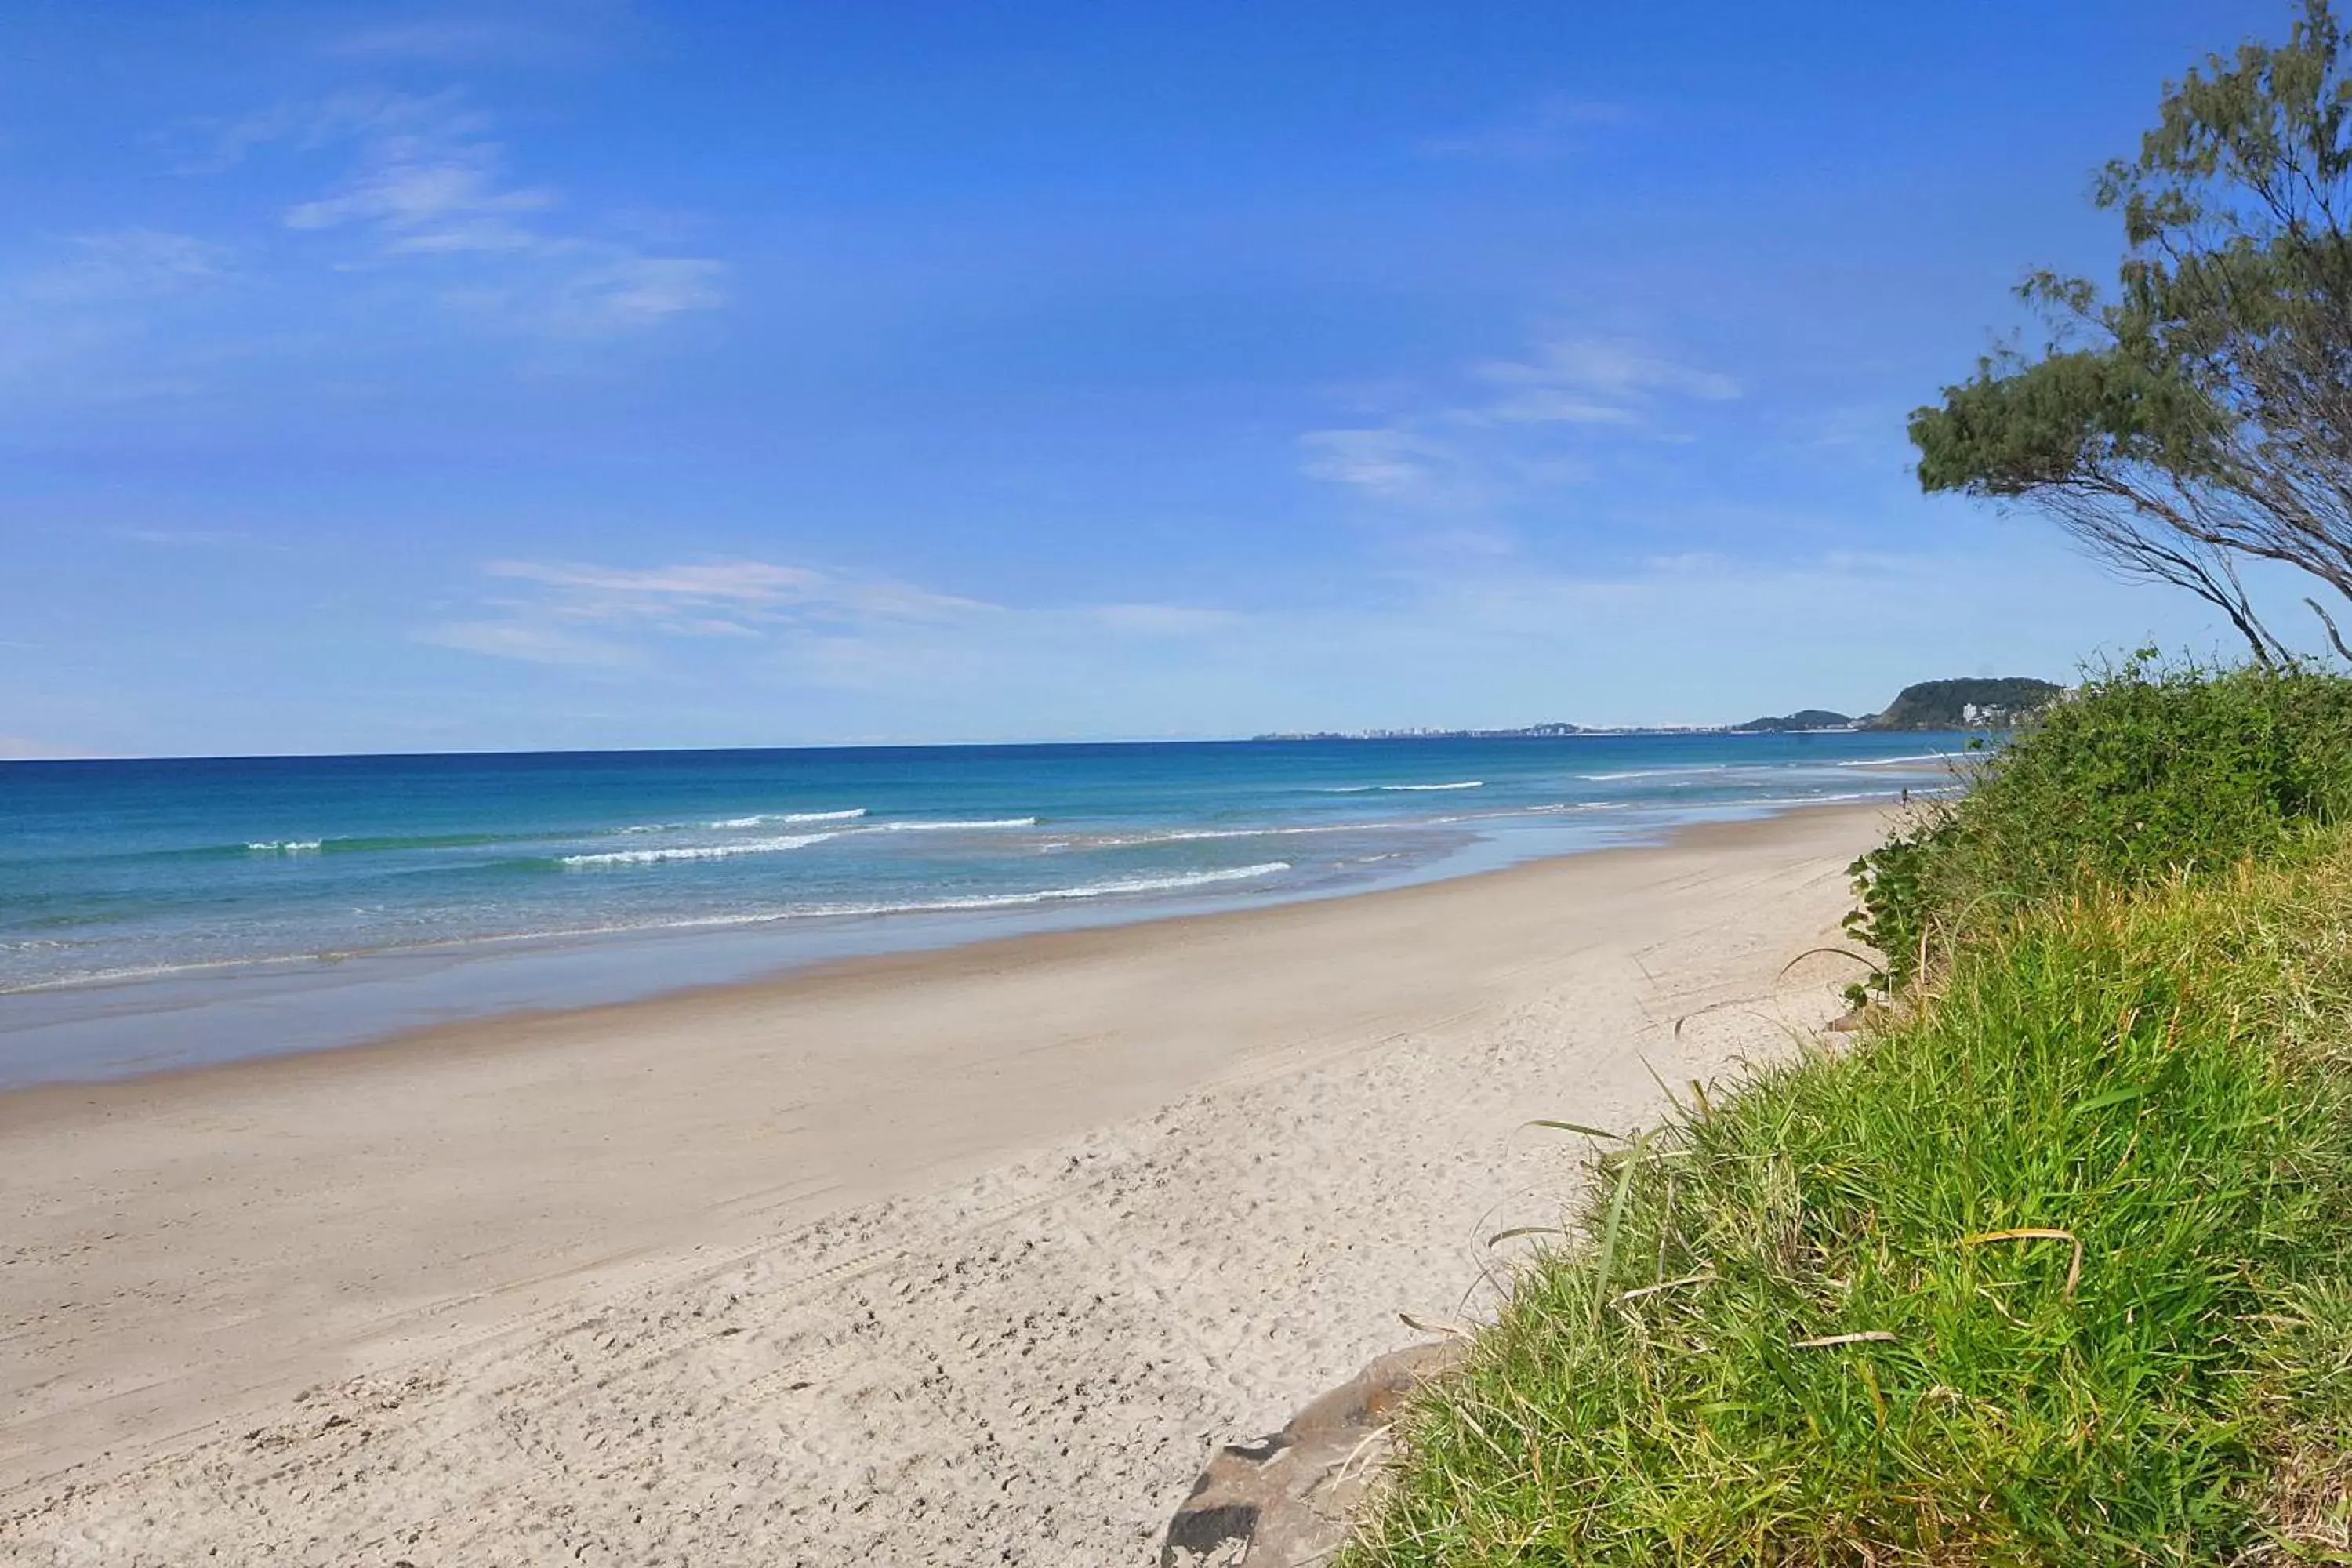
[[88, 1032], [201, 1244]]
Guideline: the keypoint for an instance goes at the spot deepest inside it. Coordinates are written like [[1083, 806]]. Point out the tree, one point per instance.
[[2200, 414]]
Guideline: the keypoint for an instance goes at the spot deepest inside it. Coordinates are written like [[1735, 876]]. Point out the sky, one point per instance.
[[581, 373]]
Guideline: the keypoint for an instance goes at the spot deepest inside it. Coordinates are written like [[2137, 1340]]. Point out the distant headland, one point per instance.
[[1978, 703]]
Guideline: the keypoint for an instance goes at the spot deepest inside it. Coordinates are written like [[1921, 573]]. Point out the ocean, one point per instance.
[[166, 914]]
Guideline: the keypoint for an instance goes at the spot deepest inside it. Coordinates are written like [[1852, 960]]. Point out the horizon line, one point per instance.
[[1268, 737]]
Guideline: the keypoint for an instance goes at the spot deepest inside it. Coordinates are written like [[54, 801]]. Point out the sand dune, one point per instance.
[[956, 1258]]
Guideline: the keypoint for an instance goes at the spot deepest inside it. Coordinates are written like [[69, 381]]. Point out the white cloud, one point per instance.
[[1590, 381], [430, 188], [1697, 637], [828, 628], [215, 145], [737, 600], [752, 582], [419, 197], [1395, 464], [1461, 640], [1502, 437], [760, 589], [624, 291], [521, 640]]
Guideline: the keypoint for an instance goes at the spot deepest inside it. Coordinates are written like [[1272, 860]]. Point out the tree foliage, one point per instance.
[[2199, 415]]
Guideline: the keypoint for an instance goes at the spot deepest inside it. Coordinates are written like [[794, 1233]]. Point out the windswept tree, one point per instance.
[[2200, 415]]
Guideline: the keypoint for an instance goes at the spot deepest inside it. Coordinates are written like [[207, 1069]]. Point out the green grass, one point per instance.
[[2158, 1073]]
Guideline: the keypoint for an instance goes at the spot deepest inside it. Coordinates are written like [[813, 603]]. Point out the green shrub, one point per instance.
[[1820, 1324], [2142, 775]]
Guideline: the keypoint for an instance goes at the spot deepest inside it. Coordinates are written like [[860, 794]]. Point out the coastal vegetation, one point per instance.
[[2145, 775], [2050, 1264], [2049, 1268]]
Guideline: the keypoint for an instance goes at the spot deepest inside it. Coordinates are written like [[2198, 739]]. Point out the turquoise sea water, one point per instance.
[[160, 913]]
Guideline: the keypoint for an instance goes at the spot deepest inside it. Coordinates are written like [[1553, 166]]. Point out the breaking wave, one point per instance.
[[764, 818], [697, 851], [1897, 761], [1053, 895], [1405, 788]]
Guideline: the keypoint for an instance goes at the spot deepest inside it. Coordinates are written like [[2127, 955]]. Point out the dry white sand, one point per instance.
[[952, 1259]]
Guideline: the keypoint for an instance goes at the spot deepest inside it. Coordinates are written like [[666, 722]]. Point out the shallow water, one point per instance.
[[169, 912]]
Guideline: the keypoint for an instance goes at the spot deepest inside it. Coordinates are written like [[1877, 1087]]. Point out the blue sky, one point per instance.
[[596, 374]]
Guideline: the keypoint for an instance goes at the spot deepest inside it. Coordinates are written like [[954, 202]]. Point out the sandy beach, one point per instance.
[[949, 1258]]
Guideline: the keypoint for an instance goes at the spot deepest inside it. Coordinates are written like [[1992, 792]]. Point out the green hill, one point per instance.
[[1982, 705]]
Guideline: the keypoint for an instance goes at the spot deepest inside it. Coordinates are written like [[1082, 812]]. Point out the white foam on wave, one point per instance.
[[1658, 772], [1897, 761], [1053, 895], [286, 847], [1131, 885], [1189, 836], [1405, 788], [949, 827], [936, 906], [1408, 824], [698, 851], [764, 818], [1827, 799]]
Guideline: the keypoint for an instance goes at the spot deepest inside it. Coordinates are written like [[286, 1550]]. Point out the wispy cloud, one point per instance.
[[1555, 126], [581, 614], [616, 291], [1395, 465], [127, 264], [758, 591], [1512, 427], [788, 622], [529, 643], [430, 185], [1587, 380], [1460, 641], [422, 195], [429, 188]]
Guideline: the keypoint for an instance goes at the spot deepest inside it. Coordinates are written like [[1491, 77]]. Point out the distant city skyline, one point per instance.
[[591, 376]]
